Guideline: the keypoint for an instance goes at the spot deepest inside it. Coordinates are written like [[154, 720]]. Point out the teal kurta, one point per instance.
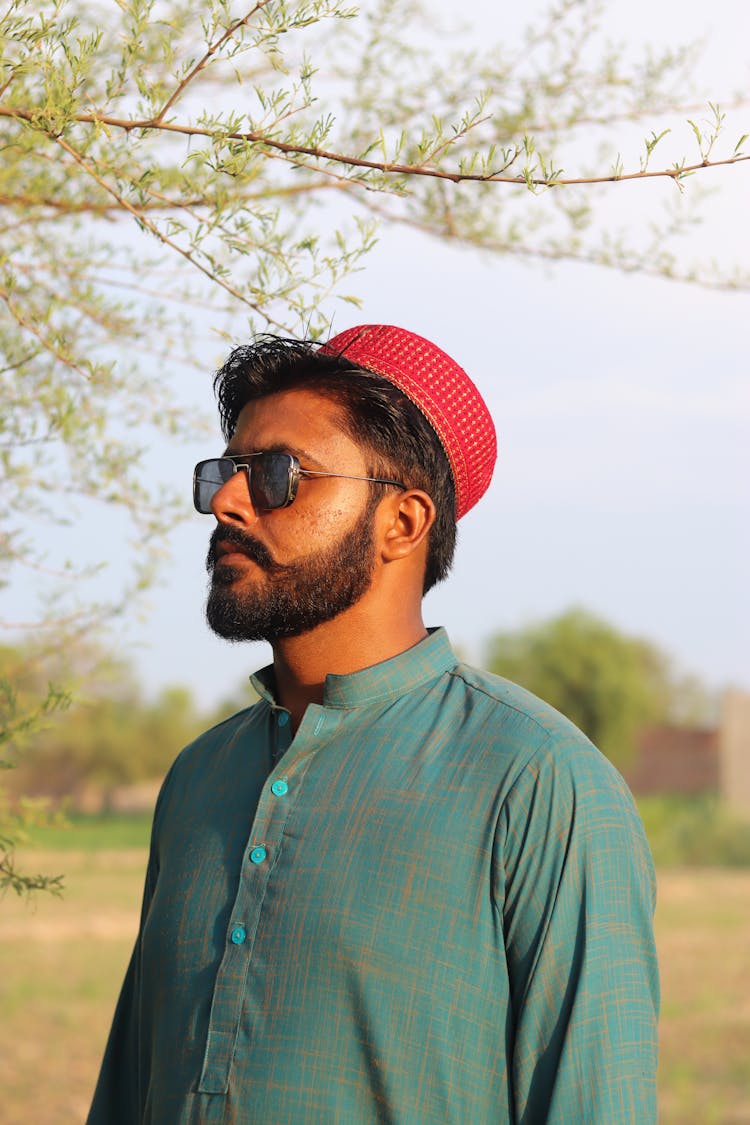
[[432, 905]]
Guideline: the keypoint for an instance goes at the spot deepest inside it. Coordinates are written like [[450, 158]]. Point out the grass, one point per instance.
[[703, 934], [67, 958], [93, 833], [63, 963]]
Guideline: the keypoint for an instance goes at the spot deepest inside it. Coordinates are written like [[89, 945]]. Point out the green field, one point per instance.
[[93, 833], [63, 960]]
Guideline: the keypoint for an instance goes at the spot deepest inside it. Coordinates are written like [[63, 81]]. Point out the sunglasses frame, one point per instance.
[[294, 473]]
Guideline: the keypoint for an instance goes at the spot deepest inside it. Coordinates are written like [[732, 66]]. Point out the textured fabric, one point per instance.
[[443, 392], [433, 905]]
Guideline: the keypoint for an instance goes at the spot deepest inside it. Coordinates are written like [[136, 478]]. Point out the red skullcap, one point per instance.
[[443, 392]]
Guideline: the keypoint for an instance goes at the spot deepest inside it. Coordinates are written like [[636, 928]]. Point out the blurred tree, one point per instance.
[[110, 734], [112, 740], [609, 684]]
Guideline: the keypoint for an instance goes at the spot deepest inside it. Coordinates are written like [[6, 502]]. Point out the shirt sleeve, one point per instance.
[[120, 1094], [577, 897]]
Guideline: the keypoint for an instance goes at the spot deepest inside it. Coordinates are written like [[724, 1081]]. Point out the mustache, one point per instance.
[[254, 550]]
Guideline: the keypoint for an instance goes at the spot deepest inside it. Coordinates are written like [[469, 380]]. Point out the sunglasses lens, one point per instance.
[[270, 479], [208, 478], [270, 476]]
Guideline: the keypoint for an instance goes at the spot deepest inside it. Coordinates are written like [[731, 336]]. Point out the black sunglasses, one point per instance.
[[273, 478]]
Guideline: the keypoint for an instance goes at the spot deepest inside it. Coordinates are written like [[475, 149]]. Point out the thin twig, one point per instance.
[[163, 238], [48, 345], [631, 115], [206, 59], [539, 253]]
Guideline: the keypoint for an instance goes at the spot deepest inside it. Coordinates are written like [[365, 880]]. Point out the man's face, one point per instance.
[[281, 573]]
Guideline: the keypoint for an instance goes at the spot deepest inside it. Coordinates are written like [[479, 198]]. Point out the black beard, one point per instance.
[[298, 596]]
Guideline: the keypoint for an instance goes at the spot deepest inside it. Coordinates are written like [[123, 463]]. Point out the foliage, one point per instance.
[[224, 137], [17, 827], [117, 739], [110, 735], [607, 683], [159, 159], [19, 721]]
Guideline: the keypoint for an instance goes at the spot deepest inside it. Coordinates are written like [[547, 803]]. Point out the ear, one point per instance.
[[408, 518]]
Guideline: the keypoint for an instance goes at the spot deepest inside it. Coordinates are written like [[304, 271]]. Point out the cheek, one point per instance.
[[300, 530], [324, 527]]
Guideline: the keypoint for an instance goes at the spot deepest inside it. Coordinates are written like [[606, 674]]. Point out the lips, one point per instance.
[[230, 553]]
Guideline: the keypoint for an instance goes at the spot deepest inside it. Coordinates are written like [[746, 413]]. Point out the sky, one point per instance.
[[622, 409]]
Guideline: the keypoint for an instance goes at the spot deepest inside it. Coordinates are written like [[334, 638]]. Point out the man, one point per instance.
[[396, 889]]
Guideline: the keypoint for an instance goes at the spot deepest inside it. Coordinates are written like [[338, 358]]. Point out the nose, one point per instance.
[[232, 503]]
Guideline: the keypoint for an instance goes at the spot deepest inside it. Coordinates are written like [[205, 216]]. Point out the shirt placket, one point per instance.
[[291, 758]]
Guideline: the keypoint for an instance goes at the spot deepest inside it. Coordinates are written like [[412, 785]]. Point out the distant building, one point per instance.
[[671, 759], [694, 760]]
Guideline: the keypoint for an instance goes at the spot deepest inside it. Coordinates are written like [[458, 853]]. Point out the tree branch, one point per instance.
[[88, 207], [676, 173], [158, 203]]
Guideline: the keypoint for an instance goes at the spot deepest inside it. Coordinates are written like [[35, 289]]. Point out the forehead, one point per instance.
[[299, 421]]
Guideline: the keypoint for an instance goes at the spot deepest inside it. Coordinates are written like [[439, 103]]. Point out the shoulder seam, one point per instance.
[[456, 671]]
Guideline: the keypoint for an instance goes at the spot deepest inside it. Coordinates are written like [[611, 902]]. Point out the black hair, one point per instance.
[[375, 413]]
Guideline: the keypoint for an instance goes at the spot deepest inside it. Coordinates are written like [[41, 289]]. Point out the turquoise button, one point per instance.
[[239, 933], [257, 855], [279, 788], [283, 718]]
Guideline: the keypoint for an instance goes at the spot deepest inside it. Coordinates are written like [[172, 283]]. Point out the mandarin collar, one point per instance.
[[417, 665]]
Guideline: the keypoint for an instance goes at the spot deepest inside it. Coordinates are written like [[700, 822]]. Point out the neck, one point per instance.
[[350, 642]]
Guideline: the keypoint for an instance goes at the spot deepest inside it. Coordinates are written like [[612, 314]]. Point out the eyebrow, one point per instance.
[[279, 447]]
